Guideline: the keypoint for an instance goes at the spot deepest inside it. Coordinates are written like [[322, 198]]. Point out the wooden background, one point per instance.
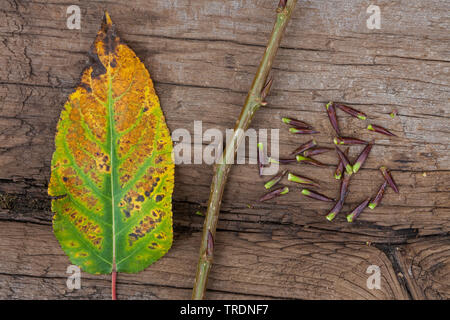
[[202, 55]]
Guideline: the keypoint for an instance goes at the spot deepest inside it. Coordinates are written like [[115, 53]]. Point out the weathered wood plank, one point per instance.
[[202, 56], [250, 265], [426, 267]]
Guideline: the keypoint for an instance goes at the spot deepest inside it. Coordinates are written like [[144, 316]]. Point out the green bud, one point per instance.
[[331, 216], [306, 192], [356, 167], [349, 169]]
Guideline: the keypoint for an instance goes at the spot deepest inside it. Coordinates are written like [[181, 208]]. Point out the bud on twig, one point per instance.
[[274, 194], [281, 5], [210, 245], [265, 91]]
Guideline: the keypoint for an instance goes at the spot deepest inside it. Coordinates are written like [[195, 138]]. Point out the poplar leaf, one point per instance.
[[112, 171]]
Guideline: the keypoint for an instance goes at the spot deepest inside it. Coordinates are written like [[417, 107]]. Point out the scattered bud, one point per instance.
[[393, 114], [296, 123], [282, 161], [316, 195], [302, 131], [315, 151], [302, 180], [274, 194], [357, 211], [348, 167], [277, 178], [379, 129], [353, 112], [336, 209], [343, 191], [377, 200], [309, 161], [388, 177], [308, 145], [340, 167], [362, 157], [348, 141], [331, 111]]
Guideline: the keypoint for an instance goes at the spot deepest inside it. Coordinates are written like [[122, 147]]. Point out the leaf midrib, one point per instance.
[[112, 157]]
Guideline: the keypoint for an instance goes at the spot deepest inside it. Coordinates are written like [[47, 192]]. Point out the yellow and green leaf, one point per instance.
[[112, 172]]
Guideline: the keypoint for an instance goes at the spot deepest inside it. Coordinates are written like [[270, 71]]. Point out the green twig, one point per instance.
[[255, 99]]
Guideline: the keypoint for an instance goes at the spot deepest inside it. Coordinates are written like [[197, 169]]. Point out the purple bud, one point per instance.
[[357, 211], [331, 111], [362, 158], [317, 196], [353, 112], [274, 194], [315, 151], [377, 200], [388, 177], [308, 145], [379, 129]]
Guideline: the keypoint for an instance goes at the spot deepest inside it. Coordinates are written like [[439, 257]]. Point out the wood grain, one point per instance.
[[202, 56]]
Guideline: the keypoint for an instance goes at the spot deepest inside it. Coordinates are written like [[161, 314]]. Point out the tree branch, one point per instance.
[[255, 99]]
